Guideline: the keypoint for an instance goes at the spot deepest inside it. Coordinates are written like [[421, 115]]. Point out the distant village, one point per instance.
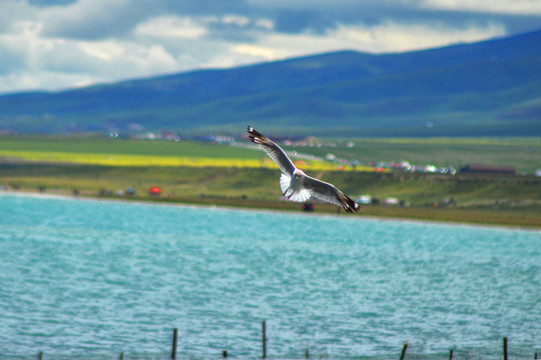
[[302, 142], [310, 142]]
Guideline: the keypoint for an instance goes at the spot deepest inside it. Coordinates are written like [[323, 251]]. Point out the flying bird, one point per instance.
[[295, 184]]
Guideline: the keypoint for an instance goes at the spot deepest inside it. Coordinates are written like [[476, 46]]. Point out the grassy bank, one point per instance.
[[501, 200], [215, 174]]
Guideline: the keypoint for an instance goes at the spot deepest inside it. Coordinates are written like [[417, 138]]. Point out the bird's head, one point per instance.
[[298, 174]]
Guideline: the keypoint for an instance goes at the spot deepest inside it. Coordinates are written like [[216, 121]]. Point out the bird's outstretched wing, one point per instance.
[[330, 193], [274, 151], [309, 186]]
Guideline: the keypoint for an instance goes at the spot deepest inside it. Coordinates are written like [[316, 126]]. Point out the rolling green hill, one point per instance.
[[491, 88]]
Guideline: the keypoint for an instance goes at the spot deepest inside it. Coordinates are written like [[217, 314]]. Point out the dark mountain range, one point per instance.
[[490, 88]]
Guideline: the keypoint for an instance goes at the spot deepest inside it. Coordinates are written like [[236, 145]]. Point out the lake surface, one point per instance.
[[83, 278]]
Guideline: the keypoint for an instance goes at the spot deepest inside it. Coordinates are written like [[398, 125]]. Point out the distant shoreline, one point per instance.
[[289, 208]]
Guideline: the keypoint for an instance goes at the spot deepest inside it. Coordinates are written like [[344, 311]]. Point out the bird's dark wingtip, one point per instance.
[[349, 205], [254, 135]]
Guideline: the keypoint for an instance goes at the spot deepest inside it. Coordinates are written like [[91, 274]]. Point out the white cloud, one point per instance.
[[43, 79], [153, 59], [387, 37], [103, 50], [259, 52], [87, 19], [171, 26], [41, 62], [517, 7], [237, 20], [265, 24], [24, 39], [391, 37]]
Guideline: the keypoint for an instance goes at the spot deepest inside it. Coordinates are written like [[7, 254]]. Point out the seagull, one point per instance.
[[295, 184]]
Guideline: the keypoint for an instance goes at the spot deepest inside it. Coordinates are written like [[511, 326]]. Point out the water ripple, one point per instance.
[[95, 278]]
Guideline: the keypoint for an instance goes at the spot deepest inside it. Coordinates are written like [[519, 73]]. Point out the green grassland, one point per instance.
[[508, 200], [114, 146], [522, 153]]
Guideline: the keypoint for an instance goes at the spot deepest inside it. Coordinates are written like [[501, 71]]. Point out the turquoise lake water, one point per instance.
[[83, 278]]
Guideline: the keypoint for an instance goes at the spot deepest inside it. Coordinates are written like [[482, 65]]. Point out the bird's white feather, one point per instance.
[[285, 180], [296, 193], [300, 195]]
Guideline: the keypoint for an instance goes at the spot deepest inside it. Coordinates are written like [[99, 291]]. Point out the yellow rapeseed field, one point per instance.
[[153, 160]]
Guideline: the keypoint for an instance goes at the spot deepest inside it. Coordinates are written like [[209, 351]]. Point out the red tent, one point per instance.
[[154, 191]]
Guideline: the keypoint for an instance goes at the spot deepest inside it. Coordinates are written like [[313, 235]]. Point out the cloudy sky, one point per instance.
[[58, 44]]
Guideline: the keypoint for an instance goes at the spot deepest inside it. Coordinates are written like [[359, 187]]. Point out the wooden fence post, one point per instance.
[[403, 354], [40, 355], [174, 345], [504, 348], [264, 338], [451, 354]]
